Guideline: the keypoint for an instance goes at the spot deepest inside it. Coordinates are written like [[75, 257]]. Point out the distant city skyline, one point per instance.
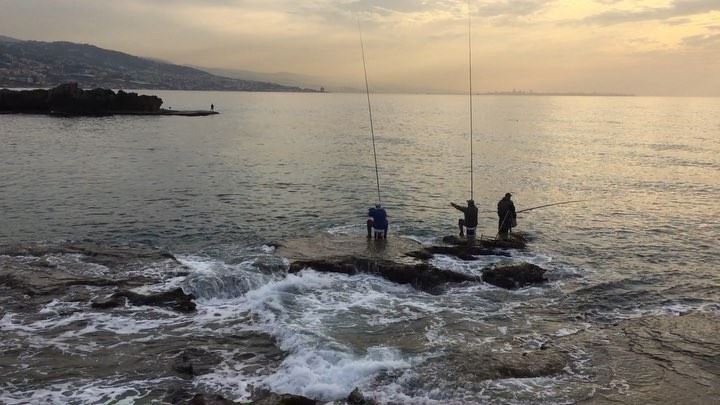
[[643, 47]]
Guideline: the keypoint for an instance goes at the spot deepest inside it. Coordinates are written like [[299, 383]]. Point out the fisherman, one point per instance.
[[507, 217], [468, 224], [212, 107], [377, 223]]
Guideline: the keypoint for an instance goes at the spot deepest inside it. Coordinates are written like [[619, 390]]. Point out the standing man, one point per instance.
[[507, 218], [377, 223], [469, 221]]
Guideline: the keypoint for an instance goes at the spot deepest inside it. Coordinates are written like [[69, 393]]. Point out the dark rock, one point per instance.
[[193, 362], [516, 241], [69, 99], [207, 399], [421, 276], [514, 276], [174, 299], [356, 398], [460, 251], [270, 398]]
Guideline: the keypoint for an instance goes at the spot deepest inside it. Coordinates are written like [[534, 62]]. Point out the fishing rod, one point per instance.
[[551, 205], [472, 178], [372, 128]]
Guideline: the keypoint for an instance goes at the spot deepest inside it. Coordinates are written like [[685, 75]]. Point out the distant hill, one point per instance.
[[48, 64], [287, 78], [8, 39]]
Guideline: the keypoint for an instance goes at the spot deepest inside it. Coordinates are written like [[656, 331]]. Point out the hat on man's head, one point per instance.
[[508, 195]]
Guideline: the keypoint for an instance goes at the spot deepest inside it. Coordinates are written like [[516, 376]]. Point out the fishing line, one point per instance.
[[472, 178], [372, 128]]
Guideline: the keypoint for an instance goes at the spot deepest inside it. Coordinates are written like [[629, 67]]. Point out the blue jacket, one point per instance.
[[379, 217]]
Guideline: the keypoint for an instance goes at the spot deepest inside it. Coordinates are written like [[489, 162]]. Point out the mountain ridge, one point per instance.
[[48, 64]]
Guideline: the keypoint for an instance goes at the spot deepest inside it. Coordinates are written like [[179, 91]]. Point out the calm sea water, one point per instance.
[[271, 167]]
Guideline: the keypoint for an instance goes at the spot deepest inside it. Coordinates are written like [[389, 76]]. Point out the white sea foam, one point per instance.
[[298, 311]]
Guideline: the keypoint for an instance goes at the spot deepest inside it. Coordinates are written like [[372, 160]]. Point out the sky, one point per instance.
[[644, 47]]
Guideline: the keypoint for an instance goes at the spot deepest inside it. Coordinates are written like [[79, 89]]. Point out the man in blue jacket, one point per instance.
[[377, 223]]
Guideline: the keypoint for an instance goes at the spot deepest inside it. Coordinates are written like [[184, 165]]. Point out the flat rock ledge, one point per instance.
[[175, 299]]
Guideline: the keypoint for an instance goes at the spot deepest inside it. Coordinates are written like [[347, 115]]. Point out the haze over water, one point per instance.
[[215, 191]]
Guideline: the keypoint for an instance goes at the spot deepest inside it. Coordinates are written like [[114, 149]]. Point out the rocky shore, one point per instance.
[[658, 358], [70, 100]]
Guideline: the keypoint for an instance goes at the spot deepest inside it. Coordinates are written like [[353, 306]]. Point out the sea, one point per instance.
[[221, 192]]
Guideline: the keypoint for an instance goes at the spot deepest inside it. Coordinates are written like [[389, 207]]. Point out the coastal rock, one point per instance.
[[357, 398], [208, 399], [480, 366], [514, 276], [271, 398], [516, 241], [421, 276], [459, 251], [40, 278], [106, 255], [193, 362], [69, 99], [175, 299]]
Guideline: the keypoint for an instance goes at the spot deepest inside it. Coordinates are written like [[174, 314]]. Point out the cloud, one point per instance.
[[678, 8], [702, 41]]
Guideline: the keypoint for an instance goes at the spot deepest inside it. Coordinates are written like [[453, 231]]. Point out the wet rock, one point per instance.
[[514, 276], [174, 299], [270, 398], [516, 241], [34, 280], [330, 247], [356, 398], [421, 276], [480, 366], [210, 399], [193, 362], [460, 251], [91, 252]]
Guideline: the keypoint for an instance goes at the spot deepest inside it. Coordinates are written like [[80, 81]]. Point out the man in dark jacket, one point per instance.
[[470, 220], [377, 223], [506, 216]]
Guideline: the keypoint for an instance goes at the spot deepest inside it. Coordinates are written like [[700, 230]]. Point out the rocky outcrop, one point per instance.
[[357, 398], [105, 255], [69, 99], [516, 241], [193, 362], [421, 276], [481, 366], [514, 276], [459, 251], [175, 299]]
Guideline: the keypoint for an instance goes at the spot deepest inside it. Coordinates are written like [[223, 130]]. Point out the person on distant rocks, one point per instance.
[[469, 222], [377, 223], [212, 107], [507, 217]]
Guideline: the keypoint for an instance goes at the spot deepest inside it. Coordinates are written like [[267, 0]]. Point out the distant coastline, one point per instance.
[[566, 94]]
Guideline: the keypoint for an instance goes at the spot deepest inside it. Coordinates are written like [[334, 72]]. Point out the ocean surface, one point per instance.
[[218, 192]]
